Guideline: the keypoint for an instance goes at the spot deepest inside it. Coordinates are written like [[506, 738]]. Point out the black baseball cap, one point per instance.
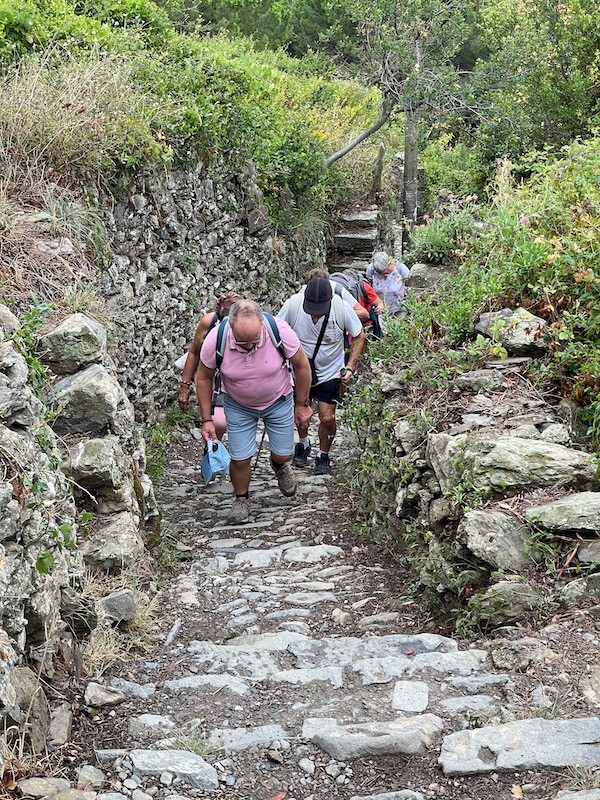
[[317, 297]]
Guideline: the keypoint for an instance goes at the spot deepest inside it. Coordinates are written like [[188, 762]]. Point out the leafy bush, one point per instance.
[[456, 167], [119, 75], [538, 246], [438, 238]]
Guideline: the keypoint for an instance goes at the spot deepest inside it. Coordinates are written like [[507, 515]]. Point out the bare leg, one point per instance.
[[327, 425], [240, 472], [219, 420]]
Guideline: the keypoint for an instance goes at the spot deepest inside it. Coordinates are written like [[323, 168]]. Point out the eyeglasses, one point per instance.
[[251, 341]]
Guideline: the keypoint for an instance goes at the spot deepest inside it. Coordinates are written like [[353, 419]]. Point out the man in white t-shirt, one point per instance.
[[322, 321]]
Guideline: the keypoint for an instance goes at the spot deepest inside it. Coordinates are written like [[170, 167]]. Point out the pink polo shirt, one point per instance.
[[257, 378]]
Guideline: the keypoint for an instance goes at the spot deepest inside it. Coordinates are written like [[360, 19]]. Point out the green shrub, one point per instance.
[[456, 167], [438, 238]]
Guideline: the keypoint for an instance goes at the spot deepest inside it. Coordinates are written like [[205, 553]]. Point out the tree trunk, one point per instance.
[[411, 178]]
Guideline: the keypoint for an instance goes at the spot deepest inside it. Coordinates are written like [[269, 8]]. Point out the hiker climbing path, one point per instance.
[[292, 666]]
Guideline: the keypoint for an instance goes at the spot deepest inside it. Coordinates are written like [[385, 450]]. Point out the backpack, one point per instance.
[[352, 280], [273, 331]]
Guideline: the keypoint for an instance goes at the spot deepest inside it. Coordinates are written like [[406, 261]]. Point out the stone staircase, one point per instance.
[[290, 671]]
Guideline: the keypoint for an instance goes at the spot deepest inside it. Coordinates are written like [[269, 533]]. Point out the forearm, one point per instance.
[[303, 377], [356, 349], [204, 391]]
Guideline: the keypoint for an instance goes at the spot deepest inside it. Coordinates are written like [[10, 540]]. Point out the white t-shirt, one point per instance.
[[342, 320]]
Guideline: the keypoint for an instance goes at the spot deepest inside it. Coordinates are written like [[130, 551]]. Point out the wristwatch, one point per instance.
[[303, 403]]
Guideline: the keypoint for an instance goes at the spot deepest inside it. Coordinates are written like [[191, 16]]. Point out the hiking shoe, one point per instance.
[[286, 480], [300, 455], [240, 511], [322, 465]]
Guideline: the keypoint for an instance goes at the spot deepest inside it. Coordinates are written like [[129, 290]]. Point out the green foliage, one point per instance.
[[438, 238], [25, 341], [451, 165], [120, 89], [538, 83], [156, 452]]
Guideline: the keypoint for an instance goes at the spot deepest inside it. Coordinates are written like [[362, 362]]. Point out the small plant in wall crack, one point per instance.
[[25, 341]]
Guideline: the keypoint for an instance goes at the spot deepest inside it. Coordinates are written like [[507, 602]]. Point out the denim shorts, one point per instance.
[[242, 423]]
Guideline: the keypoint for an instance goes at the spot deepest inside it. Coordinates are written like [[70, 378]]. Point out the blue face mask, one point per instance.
[[215, 462]]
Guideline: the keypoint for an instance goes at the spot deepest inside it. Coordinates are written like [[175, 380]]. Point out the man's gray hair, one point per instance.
[[380, 261], [244, 308]]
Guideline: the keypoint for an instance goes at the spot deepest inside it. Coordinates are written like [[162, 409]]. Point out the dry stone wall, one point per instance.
[[178, 242]]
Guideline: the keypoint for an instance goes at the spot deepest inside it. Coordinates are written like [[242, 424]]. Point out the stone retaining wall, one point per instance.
[[178, 242]]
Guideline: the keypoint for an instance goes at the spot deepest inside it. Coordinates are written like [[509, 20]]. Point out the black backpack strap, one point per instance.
[[312, 359]]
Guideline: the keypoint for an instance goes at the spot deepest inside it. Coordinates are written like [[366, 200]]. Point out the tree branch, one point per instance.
[[387, 106]]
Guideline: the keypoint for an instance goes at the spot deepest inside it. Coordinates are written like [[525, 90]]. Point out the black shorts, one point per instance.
[[327, 392]]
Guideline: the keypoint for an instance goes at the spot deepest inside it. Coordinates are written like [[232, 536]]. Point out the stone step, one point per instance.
[[360, 243], [367, 218]]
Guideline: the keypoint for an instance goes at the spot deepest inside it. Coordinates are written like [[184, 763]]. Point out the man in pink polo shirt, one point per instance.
[[256, 383]]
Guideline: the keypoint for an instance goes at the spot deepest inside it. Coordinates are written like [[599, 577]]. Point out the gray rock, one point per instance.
[[89, 777], [151, 726], [504, 602], [410, 736], [61, 720], [107, 757], [383, 670], [577, 512], [118, 606], [97, 464], [527, 744], [557, 433], [200, 682], [75, 343], [581, 589], [475, 703], [8, 322], [42, 787], [310, 598], [403, 794], [495, 537], [408, 436], [589, 552], [88, 401], [410, 696], [482, 380], [111, 796], [33, 705], [515, 654], [98, 696], [377, 620], [425, 276], [585, 794], [505, 464], [184, 765], [311, 555], [233, 740], [131, 689], [589, 686], [517, 329], [114, 546], [307, 765], [303, 677]]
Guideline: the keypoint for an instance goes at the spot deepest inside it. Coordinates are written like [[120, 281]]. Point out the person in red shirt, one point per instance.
[[371, 301]]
